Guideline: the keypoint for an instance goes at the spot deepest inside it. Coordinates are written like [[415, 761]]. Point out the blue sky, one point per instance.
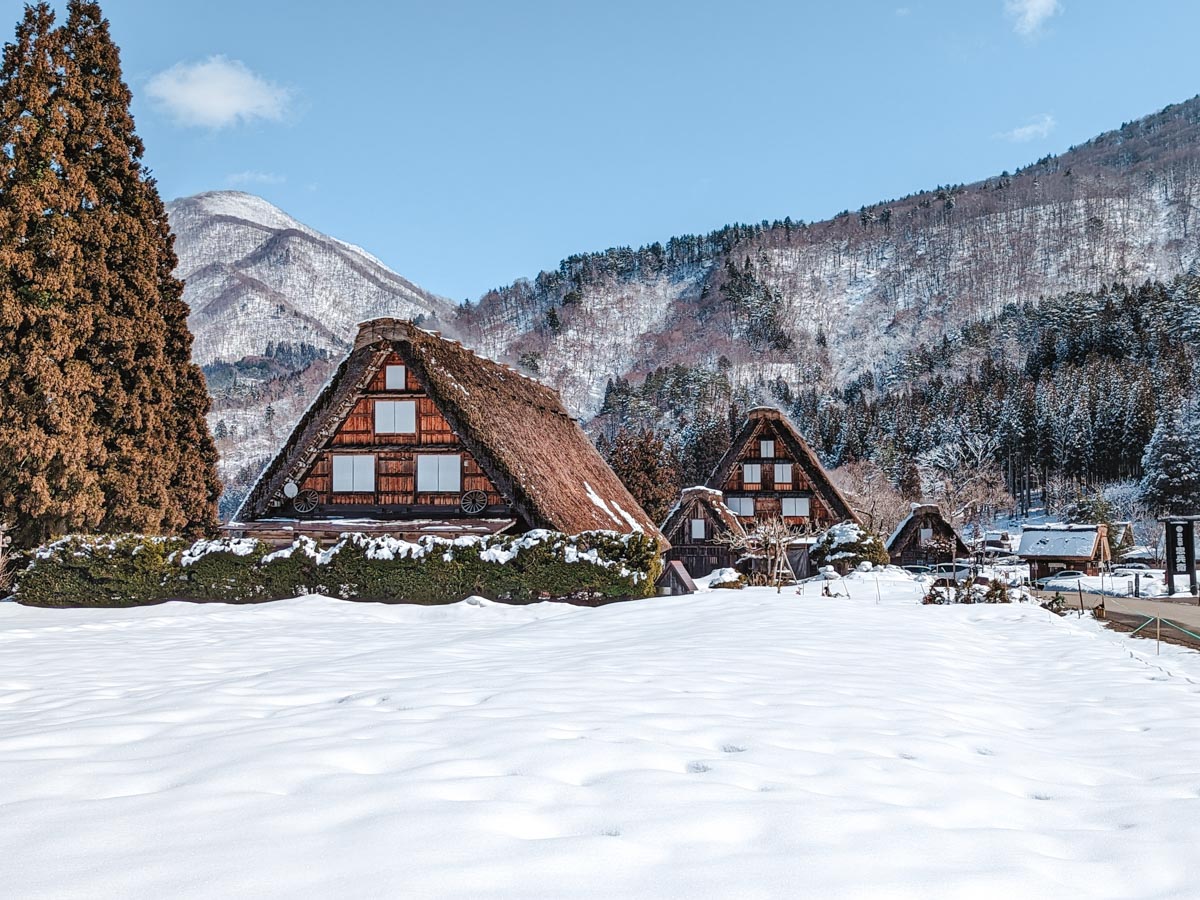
[[470, 143]]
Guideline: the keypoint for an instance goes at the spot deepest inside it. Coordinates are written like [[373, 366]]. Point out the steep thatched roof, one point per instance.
[[799, 450], [712, 500], [515, 427], [927, 515]]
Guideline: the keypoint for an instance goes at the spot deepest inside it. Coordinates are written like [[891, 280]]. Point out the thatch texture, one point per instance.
[[515, 427], [693, 497]]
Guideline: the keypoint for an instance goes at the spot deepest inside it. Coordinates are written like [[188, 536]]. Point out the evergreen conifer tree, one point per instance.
[[144, 459], [50, 448], [1171, 465]]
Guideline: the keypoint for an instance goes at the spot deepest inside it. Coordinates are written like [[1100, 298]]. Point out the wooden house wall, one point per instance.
[[699, 556], [908, 550], [768, 495], [395, 458]]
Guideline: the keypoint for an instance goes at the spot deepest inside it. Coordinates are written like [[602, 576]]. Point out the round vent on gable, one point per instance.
[[473, 502], [291, 489]]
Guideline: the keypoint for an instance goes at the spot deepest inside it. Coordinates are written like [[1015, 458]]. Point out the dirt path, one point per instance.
[[1186, 613]]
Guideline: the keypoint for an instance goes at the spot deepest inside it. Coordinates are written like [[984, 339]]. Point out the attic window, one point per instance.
[[439, 473], [766, 449], [698, 530], [395, 416], [394, 378], [752, 473], [783, 473], [354, 473], [740, 506], [926, 535], [796, 506]]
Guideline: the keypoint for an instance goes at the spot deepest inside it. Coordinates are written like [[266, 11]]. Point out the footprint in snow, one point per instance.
[[733, 748], [696, 768]]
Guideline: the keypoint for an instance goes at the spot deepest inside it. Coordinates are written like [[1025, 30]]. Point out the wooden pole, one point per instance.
[[1157, 636]]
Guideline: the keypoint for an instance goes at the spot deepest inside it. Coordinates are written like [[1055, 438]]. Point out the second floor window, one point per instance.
[[395, 417]]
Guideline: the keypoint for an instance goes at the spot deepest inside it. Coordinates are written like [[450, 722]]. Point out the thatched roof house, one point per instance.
[[696, 527], [415, 434], [770, 471], [1053, 548], [924, 538]]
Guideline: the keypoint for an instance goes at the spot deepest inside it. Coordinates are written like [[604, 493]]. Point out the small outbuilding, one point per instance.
[[1049, 549], [698, 528], [925, 538], [675, 580]]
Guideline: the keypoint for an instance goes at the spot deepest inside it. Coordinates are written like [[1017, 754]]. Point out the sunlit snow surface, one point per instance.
[[729, 744]]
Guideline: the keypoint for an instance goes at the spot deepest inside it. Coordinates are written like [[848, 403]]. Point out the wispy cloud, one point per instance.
[[251, 176], [1028, 16], [903, 11], [217, 93], [1038, 127]]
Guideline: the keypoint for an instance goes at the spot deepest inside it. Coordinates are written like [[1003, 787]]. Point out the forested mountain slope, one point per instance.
[[823, 302]]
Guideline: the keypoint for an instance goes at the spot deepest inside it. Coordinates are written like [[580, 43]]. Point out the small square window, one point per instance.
[[926, 535], [439, 473], [766, 449], [699, 532], [752, 473], [740, 506], [783, 473], [394, 378], [795, 506], [354, 473], [395, 417]]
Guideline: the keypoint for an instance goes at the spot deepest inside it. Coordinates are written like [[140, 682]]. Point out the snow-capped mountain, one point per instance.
[[255, 276]]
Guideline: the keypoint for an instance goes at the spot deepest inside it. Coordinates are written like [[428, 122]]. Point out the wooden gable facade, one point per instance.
[[397, 457], [695, 527], [925, 538], [771, 472], [414, 434]]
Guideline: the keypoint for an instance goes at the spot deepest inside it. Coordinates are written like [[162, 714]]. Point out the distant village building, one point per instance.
[[1121, 538], [1049, 549], [769, 472], [925, 538], [997, 543], [699, 528], [415, 435]]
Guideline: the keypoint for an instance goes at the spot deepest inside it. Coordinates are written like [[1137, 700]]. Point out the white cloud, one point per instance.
[[252, 177], [216, 93], [1029, 15], [903, 11], [1038, 127]]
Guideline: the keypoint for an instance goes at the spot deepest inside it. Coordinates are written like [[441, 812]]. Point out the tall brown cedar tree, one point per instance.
[[100, 401]]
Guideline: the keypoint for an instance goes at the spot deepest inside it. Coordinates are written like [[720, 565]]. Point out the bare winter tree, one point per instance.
[[869, 490], [6, 576], [964, 478], [769, 541]]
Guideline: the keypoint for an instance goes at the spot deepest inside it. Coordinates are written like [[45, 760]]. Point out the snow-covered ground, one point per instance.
[[728, 744]]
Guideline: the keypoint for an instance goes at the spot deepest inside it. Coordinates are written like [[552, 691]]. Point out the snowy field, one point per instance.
[[730, 744]]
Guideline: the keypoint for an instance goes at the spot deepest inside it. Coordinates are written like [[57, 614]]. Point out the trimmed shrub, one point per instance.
[[540, 565], [846, 546]]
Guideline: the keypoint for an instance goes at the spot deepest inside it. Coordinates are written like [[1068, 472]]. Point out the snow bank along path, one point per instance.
[[730, 744]]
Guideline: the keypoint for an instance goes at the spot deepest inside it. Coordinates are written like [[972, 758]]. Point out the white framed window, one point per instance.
[[394, 377], [783, 473], [752, 473], [795, 506], [699, 532], [439, 473], [766, 449], [395, 416], [740, 506], [354, 473], [926, 535]]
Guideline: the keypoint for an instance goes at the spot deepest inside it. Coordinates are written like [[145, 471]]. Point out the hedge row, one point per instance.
[[135, 570]]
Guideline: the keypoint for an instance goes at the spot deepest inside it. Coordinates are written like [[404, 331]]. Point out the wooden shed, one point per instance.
[[1052, 548], [695, 527], [925, 538], [414, 434]]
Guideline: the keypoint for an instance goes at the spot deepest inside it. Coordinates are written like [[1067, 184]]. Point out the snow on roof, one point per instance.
[[1059, 541]]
